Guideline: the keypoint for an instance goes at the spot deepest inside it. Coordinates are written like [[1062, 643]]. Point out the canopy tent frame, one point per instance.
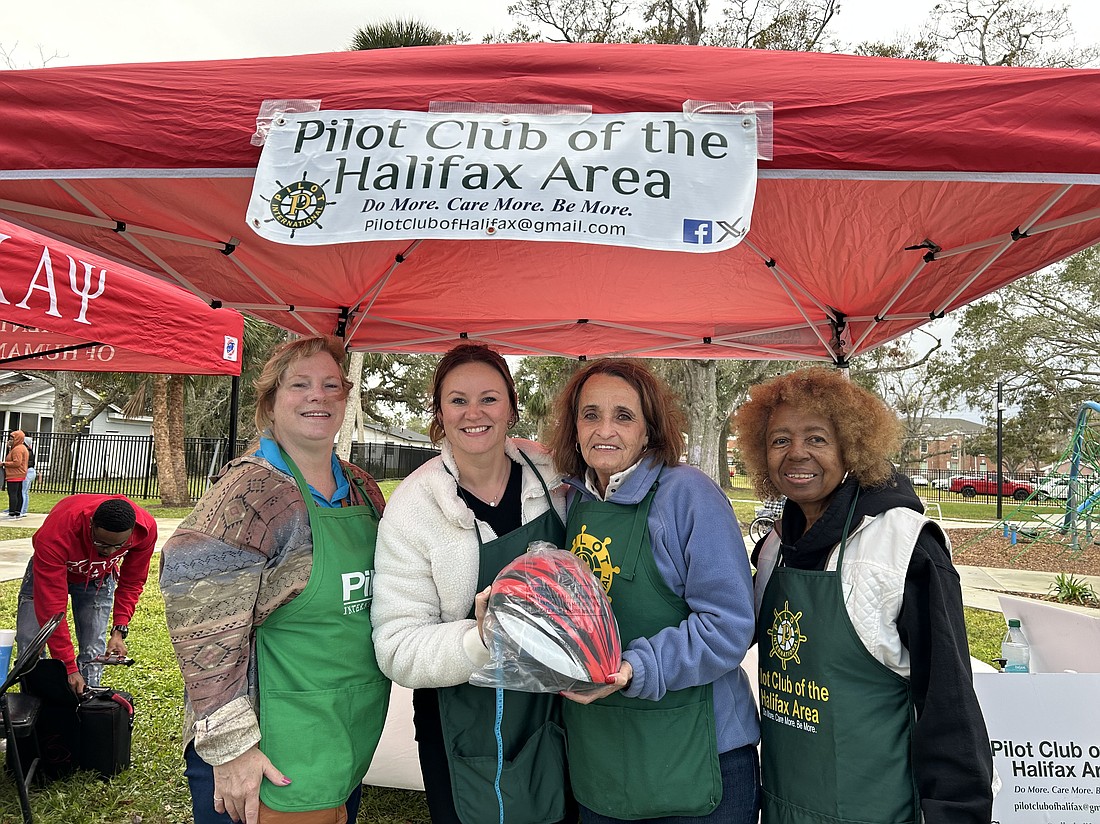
[[1027, 229]]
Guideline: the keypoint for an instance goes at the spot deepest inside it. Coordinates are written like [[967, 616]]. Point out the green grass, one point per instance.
[[154, 791], [984, 630]]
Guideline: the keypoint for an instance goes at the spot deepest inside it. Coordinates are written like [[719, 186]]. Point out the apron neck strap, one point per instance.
[[307, 493], [303, 487], [847, 526]]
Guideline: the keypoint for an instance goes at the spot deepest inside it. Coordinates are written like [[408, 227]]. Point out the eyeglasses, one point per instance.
[[105, 545], [108, 546]]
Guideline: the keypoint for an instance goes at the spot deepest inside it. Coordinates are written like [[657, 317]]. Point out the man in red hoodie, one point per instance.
[[96, 550]]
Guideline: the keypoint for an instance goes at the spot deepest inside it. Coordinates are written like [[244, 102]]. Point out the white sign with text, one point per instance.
[[670, 181], [1045, 737]]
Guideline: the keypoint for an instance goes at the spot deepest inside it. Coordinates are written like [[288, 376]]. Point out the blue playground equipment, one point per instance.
[[1085, 448]]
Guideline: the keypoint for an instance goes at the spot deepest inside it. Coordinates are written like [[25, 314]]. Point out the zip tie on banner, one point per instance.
[[500, 751]]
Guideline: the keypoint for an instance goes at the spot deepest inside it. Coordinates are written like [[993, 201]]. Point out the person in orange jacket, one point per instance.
[[15, 472]]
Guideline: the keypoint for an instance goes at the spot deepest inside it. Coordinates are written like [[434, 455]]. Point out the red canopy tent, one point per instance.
[[897, 191], [64, 308]]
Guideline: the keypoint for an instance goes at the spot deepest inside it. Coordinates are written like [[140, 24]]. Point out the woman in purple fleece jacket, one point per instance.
[[674, 737]]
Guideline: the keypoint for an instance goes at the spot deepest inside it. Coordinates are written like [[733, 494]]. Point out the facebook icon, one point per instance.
[[698, 231]]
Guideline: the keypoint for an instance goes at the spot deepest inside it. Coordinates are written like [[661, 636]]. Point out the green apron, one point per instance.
[[630, 758], [532, 781], [323, 699], [836, 724]]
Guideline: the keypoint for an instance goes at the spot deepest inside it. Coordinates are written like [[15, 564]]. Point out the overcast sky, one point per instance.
[[125, 31]]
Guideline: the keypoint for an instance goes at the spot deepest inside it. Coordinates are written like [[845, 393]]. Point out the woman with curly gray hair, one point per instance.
[[865, 680]]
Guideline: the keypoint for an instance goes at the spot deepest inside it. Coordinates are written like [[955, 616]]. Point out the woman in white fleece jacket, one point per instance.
[[449, 528]]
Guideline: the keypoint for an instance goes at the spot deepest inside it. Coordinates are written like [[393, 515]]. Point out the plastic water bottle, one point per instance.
[[1014, 648]]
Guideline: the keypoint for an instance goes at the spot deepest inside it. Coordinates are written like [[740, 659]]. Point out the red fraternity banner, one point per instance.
[[64, 308]]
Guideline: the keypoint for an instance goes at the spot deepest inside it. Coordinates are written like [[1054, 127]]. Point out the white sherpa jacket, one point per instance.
[[426, 568]]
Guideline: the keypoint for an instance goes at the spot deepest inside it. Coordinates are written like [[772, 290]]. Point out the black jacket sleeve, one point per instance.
[[951, 756]]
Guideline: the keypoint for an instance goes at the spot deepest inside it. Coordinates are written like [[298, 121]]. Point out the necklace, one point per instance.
[[496, 498]]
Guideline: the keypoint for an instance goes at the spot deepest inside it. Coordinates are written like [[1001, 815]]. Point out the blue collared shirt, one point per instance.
[[269, 451]]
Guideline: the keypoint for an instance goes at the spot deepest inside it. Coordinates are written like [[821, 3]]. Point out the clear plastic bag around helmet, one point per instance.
[[549, 626]]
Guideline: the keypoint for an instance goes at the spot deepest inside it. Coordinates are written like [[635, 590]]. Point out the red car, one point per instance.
[[968, 487]]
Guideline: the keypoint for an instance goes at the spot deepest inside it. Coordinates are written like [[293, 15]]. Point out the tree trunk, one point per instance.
[[353, 411], [64, 392], [173, 489], [700, 397], [723, 459], [177, 385], [61, 459]]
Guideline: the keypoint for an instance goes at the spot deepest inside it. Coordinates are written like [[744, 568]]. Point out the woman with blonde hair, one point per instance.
[[868, 705], [267, 589]]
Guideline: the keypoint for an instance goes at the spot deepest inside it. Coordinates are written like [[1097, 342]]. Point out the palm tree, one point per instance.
[[397, 33]]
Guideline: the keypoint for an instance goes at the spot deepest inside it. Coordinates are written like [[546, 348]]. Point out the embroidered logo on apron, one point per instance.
[[358, 590], [593, 552], [786, 635]]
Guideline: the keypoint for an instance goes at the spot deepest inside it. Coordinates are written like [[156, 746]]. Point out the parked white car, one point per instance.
[[1058, 488], [918, 480], [943, 483]]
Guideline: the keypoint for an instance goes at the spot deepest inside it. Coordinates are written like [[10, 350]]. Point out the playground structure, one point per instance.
[[1079, 526]]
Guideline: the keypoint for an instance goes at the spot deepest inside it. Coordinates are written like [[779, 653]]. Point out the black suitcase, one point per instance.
[[106, 721], [57, 729], [91, 734]]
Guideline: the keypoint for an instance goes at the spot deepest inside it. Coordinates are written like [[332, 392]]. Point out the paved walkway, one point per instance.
[[980, 585]]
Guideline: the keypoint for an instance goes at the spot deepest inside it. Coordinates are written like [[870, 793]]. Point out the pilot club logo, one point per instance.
[[786, 635], [593, 552], [299, 204]]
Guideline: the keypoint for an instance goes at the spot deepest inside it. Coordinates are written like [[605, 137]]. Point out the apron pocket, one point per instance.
[[322, 739], [642, 762], [532, 784]]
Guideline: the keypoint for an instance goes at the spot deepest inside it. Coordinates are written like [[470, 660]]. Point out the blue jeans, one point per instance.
[[31, 475], [740, 802], [92, 603], [200, 778]]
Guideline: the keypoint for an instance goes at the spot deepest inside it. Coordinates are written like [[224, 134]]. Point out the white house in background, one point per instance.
[[376, 433], [26, 403]]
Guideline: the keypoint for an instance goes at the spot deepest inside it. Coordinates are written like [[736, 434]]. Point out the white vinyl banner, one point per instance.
[[671, 181], [1045, 737]]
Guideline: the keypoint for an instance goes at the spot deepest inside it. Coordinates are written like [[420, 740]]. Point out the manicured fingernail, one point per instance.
[[285, 781], [609, 679]]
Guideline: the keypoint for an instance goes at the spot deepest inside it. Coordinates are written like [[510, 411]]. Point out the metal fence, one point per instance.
[[981, 487], [127, 464]]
